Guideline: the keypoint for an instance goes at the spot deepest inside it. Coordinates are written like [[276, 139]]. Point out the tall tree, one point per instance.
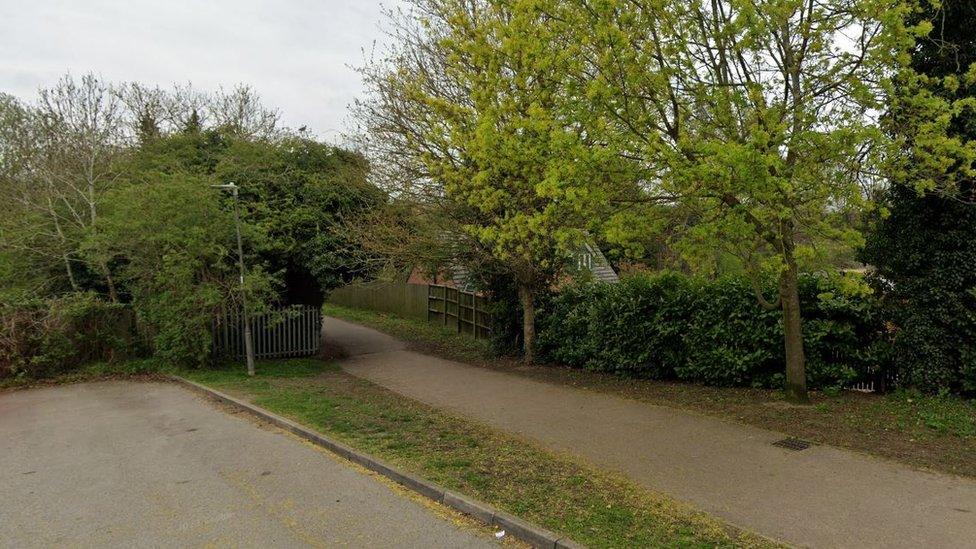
[[81, 134], [241, 113], [482, 116], [146, 110], [301, 192], [754, 114], [924, 250], [28, 248], [68, 142]]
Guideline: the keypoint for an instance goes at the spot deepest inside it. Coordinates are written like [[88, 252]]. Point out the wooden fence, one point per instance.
[[464, 312], [407, 300], [286, 332]]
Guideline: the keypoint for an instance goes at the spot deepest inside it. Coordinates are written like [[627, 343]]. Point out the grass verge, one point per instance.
[[556, 491], [935, 432]]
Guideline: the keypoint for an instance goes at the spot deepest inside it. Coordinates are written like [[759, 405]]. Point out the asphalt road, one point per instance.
[[125, 464]]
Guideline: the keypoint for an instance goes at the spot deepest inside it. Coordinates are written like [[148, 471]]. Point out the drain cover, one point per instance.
[[791, 443]]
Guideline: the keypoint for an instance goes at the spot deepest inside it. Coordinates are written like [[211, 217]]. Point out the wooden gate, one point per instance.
[[282, 333]]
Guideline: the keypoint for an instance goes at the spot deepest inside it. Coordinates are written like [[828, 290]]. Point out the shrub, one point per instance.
[[177, 246], [631, 328], [924, 254], [731, 340], [670, 326], [39, 338]]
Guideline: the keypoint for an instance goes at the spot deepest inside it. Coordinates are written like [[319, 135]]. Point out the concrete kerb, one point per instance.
[[514, 526]]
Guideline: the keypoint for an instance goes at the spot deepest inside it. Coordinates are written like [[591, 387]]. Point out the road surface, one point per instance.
[[129, 464]]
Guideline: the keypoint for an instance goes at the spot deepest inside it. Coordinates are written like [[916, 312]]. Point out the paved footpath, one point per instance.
[[122, 464], [819, 497]]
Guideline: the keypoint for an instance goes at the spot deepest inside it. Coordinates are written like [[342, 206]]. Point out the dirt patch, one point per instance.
[[332, 351]]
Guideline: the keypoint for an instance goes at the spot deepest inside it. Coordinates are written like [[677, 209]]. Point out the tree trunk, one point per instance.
[[64, 242], [113, 294], [796, 375], [71, 273], [526, 298]]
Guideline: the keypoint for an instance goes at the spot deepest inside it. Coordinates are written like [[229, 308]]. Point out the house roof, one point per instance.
[[598, 265]]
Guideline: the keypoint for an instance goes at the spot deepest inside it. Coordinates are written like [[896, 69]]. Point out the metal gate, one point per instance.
[[281, 333]]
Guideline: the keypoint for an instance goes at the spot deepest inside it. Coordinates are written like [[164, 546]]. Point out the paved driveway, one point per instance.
[[820, 497], [127, 464]]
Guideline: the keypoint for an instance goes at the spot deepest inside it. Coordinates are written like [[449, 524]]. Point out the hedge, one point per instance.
[[671, 326], [40, 338]]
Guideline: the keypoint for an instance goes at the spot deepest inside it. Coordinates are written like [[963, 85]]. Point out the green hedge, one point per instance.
[[670, 326], [40, 338]]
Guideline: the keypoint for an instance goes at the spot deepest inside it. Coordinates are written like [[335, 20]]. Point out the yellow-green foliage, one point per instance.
[[495, 119]]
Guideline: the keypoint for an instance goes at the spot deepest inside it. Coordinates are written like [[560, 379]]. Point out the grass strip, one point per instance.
[[556, 491]]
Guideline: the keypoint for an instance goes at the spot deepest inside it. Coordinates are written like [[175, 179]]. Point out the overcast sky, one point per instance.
[[294, 52]]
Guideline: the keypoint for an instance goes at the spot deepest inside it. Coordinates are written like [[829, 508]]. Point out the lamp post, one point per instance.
[[248, 345]]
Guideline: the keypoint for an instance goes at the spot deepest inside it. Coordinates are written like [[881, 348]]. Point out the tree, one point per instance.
[[924, 250], [146, 110], [301, 192], [108, 188], [67, 145], [753, 114], [27, 253], [479, 115], [176, 243], [81, 134], [241, 113]]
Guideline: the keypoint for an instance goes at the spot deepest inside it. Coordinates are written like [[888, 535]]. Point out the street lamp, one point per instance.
[[248, 345]]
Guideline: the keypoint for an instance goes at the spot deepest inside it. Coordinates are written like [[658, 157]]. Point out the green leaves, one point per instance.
[[924, 249], [175, 243], [671, 326], [495, 117], [751, 109]]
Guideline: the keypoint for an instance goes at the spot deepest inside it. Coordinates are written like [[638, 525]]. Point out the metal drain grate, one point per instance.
[[791, 443]]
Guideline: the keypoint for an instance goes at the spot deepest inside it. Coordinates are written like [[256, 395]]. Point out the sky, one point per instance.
[[295, 53]]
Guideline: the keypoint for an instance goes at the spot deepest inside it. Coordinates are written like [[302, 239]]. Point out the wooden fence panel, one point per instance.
[[408, 300], [282, 333], [459, 311], [463, 312]]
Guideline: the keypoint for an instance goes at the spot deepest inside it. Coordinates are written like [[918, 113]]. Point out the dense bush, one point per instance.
[[670, 326], [633, 327], [40, 338], [924, 252], [175, 243]]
